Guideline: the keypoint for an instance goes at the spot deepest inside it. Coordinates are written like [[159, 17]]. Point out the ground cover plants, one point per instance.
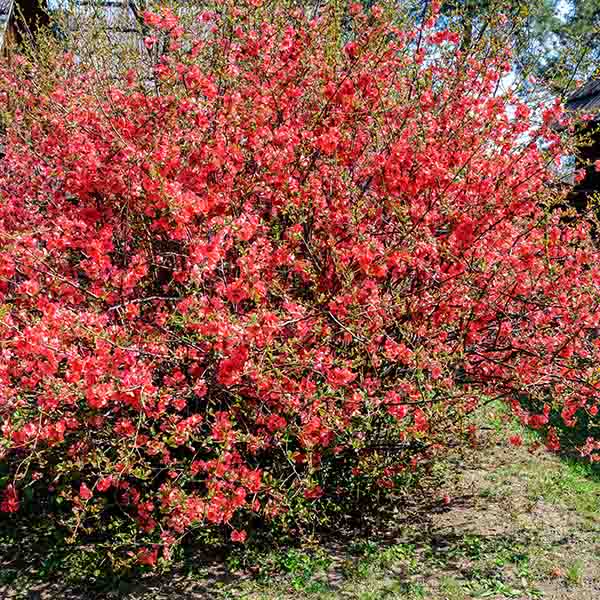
[[519, 524], [265, 283]]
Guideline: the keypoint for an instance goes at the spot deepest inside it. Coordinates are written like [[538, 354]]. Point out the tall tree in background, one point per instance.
[[556, 42]]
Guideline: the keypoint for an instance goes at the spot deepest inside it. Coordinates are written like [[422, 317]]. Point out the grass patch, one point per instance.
[[574, 573], [452, 589], [573, 485], [518, 522]]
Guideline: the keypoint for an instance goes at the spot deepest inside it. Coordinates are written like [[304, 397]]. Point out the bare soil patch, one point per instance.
[[515, 525]]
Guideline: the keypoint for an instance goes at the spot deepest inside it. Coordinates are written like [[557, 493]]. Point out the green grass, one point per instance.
[[373, 558], [568, 483], [573, 485], [454, 564], [469, 566], [453, 589], [574, 573]]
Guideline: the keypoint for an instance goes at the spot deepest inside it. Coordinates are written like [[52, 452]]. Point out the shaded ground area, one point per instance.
[[515, 524]]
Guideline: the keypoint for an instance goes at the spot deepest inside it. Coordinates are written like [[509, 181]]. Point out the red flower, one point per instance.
[[103, 484], [552, 440], [340, 377], [230, 369], [398, 411], [147, 556], [238, 536], [313, 493], [275, 422], [10, 500], [84, 492]]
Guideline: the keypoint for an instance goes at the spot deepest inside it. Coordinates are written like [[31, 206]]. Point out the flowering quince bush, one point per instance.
[[227, 294]]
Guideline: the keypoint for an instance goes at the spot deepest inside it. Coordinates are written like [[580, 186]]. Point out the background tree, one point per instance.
[[556, 41]]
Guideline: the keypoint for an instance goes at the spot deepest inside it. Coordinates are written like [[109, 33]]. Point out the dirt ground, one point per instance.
[[517, 525]]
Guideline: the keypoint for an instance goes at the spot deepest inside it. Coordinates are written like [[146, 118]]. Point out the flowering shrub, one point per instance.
[[227, 294]]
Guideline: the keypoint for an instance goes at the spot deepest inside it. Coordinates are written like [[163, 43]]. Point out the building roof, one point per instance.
[[108, 34], [119, 19], [586, 98], [6, 8]]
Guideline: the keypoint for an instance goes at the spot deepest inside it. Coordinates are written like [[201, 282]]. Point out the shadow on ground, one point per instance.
[[512, 524]]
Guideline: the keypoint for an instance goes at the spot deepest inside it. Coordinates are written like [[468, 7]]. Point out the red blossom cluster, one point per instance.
[[218, 288]]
